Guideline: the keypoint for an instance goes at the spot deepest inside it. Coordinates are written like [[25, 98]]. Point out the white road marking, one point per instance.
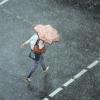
[[55, 92], [72, 80], [68, 82], [99, 58], [18, 17], [80, 73], [45, 99], [3, 2], [93, 64], [8, 12]]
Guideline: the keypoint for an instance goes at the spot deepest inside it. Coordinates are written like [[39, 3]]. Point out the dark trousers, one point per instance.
[[38, 59]]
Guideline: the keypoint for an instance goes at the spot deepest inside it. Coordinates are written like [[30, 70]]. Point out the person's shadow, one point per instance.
[[30, 87], [46, 86]]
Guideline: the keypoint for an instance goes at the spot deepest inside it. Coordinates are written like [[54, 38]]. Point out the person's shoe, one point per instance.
[[28, 79], [46, 69]]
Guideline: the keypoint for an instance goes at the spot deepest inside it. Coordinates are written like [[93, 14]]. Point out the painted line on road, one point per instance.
[[82, 72], [55, 92], [99, 58], [7, 11], [68, 82], [17, 16], [93, 64], [3, 2], [45, 99]]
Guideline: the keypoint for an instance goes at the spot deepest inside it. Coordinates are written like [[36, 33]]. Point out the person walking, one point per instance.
[[45, 34]]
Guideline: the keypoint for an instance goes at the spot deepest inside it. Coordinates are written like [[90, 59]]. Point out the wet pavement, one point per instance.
[[79, 47]]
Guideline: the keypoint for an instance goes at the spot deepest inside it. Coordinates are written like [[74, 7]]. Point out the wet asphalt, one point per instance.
[[79, 46]]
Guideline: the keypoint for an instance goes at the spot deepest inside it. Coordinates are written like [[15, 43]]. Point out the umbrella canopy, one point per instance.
[[47, 33]]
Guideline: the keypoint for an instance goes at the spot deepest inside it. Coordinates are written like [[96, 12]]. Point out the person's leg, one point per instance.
[[37, 57], [35, 65], [42, 63]]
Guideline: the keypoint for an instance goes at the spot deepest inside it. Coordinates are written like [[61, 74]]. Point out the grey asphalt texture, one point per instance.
[[79, 46]]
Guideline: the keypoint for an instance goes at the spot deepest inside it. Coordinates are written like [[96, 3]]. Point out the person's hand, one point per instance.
[[22, 45]]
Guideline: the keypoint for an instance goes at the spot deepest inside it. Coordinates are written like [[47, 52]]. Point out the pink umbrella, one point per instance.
[[47, 33]]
